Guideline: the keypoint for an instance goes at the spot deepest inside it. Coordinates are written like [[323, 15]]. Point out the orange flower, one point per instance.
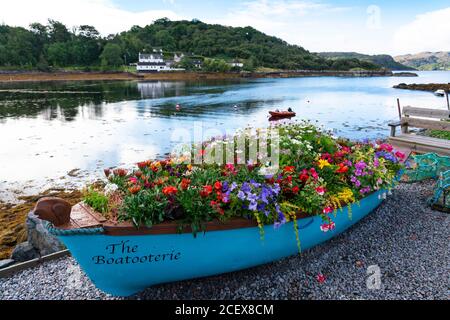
[[170, 190], [289, 169], [185, 183], [342, 168], [134, 189]]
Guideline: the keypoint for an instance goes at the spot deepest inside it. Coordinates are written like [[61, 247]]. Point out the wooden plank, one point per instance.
[[426, 124], [441, 143], [416, 144], [7, 272], [426, 113]]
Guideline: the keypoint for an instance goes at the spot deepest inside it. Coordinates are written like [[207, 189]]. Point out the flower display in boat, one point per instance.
[[317, 175]]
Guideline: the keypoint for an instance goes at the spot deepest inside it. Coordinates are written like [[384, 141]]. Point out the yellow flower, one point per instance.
[[323, 164]]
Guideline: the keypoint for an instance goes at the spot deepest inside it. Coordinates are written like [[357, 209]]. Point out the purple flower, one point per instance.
[[356, 182], [365, 190], [241, 195]]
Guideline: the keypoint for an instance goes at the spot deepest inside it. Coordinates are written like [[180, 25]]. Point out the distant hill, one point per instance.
[[426, 60], [383, 60], [54, 45]]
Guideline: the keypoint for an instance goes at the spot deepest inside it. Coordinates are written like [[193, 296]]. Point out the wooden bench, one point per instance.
[[434, 119]]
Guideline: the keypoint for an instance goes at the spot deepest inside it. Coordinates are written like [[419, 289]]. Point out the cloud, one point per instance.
[[103, 14], [428, 32], [309, 23]]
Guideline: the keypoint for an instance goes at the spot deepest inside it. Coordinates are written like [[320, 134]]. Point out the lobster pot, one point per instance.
[[441, 198], [423, 167]]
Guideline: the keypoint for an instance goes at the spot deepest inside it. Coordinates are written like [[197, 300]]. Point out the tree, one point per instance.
[[58, 32], [111, 56]]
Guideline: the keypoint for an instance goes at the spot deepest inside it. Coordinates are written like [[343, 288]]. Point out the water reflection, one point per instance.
[[48, 129]]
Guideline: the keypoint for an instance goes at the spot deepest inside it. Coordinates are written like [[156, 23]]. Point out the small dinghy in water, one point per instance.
[[440, 93], [277, 115]]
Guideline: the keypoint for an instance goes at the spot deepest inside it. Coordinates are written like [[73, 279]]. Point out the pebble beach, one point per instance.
[[404, 239]]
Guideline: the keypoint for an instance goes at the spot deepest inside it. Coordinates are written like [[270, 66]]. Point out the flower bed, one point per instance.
[[318, 175]]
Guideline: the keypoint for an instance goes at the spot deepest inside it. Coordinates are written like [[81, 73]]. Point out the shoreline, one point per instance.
[[19, 76]]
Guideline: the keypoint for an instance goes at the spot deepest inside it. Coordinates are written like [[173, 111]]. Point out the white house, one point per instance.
[[153, 62], [236, 64]]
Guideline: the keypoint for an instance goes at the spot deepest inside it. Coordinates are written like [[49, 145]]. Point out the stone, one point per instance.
[[24, 252], [6, 263], [39, 237]]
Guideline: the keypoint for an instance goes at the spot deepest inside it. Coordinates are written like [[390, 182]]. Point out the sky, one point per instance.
[[372, 27]]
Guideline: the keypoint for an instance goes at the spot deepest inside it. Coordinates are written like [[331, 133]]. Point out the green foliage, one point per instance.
[[111, 56], [96, 200], [142, 209], [53, 45], [439, 134], [381, 60], [216, 65]]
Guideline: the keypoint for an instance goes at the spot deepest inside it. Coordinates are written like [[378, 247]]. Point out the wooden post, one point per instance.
[[399, 109], [448, 103]]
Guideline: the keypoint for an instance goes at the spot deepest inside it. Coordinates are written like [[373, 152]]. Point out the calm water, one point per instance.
[[46, 129]]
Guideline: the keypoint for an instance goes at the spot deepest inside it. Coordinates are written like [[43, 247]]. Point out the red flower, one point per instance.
[[138, 174], [270, 181], [207, 190], [289, 179], [295, 190], [218, 186], [134, 189], [185, 183], [142, 165], [321, 278], [107, 172], [170, 190], [201, 152], [326, 156], [120, 172], [289, 169], [342, 168], [304, 176]]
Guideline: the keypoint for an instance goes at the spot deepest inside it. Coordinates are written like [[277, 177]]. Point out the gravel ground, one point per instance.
[[408, 242]]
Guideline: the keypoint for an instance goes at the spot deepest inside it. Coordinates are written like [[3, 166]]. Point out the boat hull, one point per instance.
[[124, 265]]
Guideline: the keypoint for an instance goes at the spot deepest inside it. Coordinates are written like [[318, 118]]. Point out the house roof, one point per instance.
[[151, 64], [153, 56]]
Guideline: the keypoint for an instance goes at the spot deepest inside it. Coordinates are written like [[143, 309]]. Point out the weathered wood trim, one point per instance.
[[7, 272], [426, 113], [426, 124]]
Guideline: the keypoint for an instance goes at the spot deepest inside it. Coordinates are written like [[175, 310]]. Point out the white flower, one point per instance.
[[110, 188]]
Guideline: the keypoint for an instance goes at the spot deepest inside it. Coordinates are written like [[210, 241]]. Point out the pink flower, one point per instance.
[[313, 173], [133, 180], [400, 155], [321, 278], [328, 210], [320, 190], [327, 227]]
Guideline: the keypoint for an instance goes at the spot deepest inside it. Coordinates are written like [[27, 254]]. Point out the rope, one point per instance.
[[73, 232]]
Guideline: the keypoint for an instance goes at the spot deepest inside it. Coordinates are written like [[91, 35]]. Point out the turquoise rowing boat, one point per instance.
[[124, 261]]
